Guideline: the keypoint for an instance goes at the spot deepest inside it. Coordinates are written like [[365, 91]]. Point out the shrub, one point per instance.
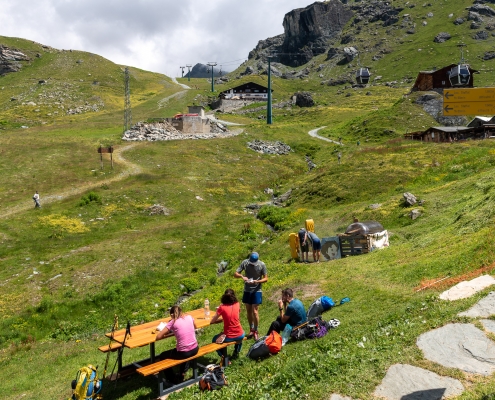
[[90, 197], [276, 217]]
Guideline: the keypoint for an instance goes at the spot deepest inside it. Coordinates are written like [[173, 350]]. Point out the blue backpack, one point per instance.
[[321, 304]]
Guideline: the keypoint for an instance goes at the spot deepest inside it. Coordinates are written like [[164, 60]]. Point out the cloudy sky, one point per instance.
[[155, 35]]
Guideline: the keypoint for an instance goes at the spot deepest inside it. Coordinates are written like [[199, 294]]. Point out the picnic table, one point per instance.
[[145, 335]]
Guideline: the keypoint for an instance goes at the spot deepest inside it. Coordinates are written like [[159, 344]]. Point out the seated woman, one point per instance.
[[229, 310], [183, 327]]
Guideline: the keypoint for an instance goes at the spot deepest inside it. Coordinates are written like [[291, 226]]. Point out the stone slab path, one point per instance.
[[461, 346], [466, 289], [404, 381]]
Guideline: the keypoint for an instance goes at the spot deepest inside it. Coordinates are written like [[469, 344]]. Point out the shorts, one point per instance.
[[316, 245], [305, 247], [252, 298]]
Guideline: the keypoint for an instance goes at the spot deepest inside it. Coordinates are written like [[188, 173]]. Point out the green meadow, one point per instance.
[[94, 251]]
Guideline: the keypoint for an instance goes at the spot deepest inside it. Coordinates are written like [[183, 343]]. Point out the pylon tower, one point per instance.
[[127, 101]]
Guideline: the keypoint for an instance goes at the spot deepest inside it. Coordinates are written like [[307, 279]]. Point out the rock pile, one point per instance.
[[157, 209], [163, 130], [269, 147]]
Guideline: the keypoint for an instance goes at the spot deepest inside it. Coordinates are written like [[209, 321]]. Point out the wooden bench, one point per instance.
[[158, 367], [105, 349]]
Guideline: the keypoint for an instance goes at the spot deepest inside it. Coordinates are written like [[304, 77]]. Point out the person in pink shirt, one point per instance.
[[229, 310], [183, 327]]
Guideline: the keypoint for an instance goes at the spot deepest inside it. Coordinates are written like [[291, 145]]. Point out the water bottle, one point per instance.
[[207, 309], [286, 334]]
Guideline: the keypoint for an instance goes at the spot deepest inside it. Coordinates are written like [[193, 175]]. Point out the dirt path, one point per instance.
[[314, 133], [131, 169], [163, 102]]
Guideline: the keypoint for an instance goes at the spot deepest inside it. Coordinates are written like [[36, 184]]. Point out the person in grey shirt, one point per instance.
[[254, 275]]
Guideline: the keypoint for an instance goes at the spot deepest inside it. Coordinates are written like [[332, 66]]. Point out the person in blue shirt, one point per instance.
[[291, 310], [315, 245]]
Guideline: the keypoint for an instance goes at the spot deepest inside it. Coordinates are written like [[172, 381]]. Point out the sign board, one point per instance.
[[469, 101], [468, 108], [470, 94], [105, 149]]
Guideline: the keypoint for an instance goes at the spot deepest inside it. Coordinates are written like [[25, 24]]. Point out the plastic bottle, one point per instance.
[[286, 334], [207, 309]]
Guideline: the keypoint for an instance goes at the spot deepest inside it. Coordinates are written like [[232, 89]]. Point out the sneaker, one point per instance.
[[250, 334], [255, 335]]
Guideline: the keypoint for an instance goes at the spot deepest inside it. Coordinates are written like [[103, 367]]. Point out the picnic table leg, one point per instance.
[[195, 368], [152, 352]]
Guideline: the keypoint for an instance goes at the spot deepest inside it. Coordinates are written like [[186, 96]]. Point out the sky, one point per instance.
[[154, 35]]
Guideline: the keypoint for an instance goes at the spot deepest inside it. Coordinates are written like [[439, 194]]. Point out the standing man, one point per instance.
[[291, 310], [255, 275], [304, 244], [36, 199], [315, 245]]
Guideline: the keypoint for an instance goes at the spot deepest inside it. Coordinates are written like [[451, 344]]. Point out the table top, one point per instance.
[[145, 334]]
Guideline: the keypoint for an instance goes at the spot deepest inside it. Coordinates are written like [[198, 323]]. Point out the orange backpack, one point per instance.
[[274, 342]]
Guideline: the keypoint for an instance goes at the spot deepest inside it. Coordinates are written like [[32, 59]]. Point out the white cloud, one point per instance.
[[155, 35]]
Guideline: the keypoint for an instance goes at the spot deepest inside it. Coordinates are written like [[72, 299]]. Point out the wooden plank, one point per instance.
[[105, 349], [168, 363]]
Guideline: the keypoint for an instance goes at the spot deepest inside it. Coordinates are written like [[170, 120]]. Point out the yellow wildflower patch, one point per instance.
[[110, 209], [66, 224]]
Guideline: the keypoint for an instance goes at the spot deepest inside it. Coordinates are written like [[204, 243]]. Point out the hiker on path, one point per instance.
[[183, 327], [304, 244], [255, 275], [230, 311], [36, 199], [339, 156], [291, 310], [315, 245]]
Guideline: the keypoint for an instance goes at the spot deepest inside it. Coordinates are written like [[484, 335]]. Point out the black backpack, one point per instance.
[[315, 328], [213, 378]]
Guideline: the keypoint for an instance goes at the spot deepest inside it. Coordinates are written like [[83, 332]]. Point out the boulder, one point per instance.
[[304, 99], [409, 198], [481, 35], [442, 37]]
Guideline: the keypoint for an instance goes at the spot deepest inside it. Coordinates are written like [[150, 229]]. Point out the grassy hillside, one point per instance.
[[67, 268]]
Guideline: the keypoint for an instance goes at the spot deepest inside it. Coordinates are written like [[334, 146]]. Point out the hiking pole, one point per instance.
[[114, 328], [121, 349]]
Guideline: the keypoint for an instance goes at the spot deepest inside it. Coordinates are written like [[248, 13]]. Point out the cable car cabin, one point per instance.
[[459, 75], [362, 76]]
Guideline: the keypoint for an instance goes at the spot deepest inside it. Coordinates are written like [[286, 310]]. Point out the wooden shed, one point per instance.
[[438, 79]]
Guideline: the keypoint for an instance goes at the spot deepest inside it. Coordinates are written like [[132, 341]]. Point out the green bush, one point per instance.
[[278, 218], [90, 197]]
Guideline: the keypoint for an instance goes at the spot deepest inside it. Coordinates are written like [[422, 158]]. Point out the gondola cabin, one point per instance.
[[459, 75], [362, 76]]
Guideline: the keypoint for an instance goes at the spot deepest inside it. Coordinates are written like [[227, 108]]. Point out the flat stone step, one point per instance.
[[404, 381]]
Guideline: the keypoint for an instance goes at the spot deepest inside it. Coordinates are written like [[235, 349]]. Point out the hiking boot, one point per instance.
[[250, 334], [235, 355], [255, 335]]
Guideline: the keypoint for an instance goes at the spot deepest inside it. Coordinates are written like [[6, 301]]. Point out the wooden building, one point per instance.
[[438, 79], [439, 134], [246, 91]]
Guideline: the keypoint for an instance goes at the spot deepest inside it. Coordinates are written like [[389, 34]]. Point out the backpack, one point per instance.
[[213, 378], [86, 386], [313, 329], [274, 342], [321, 304], [265, 346]]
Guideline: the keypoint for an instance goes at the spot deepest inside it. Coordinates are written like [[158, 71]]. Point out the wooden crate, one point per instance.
[[353, 245]]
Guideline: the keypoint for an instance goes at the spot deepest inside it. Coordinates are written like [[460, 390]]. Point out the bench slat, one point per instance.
[[168, 363], [106, 349]]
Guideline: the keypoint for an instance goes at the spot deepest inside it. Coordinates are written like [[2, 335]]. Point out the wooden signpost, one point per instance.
[[469, 101], [102, 150]]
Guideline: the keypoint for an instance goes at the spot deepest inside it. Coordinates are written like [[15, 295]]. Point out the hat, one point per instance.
[[253, 257]]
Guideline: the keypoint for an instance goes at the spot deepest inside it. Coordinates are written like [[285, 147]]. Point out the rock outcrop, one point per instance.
[[10, 60], [308, 32]]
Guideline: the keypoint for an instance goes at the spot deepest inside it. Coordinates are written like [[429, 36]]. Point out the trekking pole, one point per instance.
[[114, 328], [121, 349]]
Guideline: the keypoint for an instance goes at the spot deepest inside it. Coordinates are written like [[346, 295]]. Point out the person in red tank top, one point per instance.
[[230, 311]]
